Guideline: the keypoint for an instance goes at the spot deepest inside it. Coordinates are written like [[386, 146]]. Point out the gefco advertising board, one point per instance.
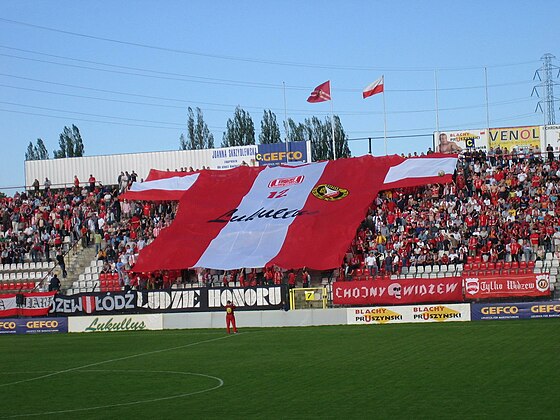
[[283, 153], [520, 310], [33, 325], [181, 300]]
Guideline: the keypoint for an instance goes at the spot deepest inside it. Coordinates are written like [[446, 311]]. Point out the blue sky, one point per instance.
[[125, 72]]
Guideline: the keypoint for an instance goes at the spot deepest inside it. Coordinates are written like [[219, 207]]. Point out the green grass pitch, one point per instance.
[[501, 369]]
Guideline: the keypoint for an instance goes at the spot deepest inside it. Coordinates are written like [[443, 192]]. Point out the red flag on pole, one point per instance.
[[373, 88], [321, 93]]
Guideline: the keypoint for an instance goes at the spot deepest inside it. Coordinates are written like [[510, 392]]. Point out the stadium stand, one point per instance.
[[499, 216]]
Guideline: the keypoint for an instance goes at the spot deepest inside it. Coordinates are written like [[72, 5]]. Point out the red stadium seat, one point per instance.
[[531, 265], [523, 264], [358, 272], [499, 265], [102, 276], [507, 265], [506, 272], [470, 259], [478, 259]]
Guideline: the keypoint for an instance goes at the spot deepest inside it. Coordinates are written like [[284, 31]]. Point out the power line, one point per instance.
[[245, 59], [292, 111], [230, 82], [195, 79]]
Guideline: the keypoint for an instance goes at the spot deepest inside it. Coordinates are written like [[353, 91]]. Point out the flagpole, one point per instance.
[[285, 122], [437, 105], [487, 108], [384, 121], [332, 129]]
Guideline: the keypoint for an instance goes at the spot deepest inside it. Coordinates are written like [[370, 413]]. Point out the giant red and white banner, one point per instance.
[[420, 170], [532, 285], [290, 216], [398, 291]]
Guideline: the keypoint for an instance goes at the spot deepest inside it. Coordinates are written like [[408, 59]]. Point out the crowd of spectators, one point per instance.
[[500, 207], [43, 224]]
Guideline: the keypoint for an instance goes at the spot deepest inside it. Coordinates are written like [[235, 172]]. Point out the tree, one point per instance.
[[270, 132], [30, 154], [41, 152], [38, 152], [199, 136], [240, 131], [296, 131], [340, 138], [320, 135], [70, 143], [182, 142]]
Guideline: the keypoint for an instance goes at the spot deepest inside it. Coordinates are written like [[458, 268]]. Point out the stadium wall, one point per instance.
[[299, 318], [106, 168]]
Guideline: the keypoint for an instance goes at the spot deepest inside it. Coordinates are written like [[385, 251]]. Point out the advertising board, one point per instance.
[[33, 325], [518, 137], [521, 310], [398, 291], [488, 287], [110, 323], [404, 314], [281, 153], [459, 141], [232, 157]]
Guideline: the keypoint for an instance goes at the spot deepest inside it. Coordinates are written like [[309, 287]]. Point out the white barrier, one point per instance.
[[115, 323], [299, 318]]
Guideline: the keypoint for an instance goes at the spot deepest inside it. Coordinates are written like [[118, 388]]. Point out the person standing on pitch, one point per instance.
[[230, 317]]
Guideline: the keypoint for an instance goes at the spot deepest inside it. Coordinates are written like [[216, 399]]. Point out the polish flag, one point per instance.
[[321, 93], [373, 88], [289, 216], [437, 168]]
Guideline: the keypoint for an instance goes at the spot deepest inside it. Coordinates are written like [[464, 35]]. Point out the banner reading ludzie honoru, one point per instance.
[[395, 292], [531, 285]]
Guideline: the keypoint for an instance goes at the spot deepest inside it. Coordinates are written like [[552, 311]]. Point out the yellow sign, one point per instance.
[[382, 316], [519, 137], [310, 295], [436, 313]]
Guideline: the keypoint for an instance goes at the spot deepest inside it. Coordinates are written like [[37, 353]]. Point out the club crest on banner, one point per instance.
[[471, 286], [543, 283], [329, 192]]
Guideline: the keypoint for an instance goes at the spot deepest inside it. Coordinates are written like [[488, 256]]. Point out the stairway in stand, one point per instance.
[[76, 264]]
